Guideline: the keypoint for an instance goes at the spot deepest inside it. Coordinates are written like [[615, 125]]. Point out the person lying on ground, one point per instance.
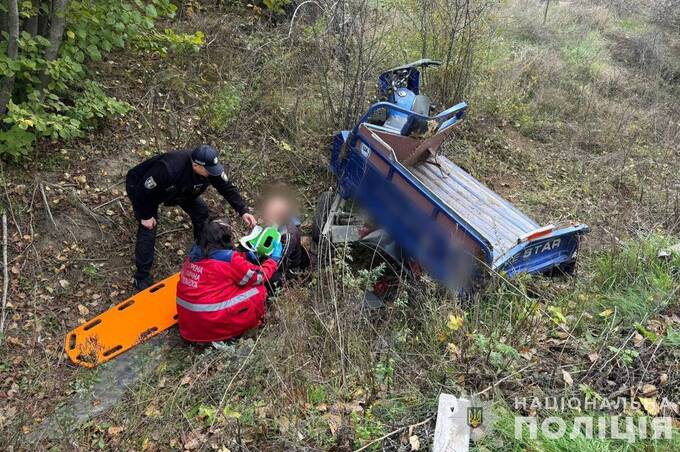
[[176, 178], [220, 294]]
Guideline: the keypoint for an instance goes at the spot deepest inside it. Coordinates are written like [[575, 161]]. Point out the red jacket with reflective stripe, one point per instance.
[[221, 296]]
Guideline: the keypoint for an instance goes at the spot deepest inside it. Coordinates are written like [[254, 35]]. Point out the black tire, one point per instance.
[[323, 208]]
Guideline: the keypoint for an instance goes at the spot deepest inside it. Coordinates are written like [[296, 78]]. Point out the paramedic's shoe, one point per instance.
[[142, 283]]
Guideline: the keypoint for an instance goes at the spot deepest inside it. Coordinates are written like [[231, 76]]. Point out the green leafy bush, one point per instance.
[[53, 98], [224, 108], [276, 6]]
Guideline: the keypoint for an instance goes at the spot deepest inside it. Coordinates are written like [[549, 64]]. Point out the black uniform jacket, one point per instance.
[[169, 179]]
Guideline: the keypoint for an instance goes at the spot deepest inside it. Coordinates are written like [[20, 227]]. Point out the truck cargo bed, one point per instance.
[[493, 217]]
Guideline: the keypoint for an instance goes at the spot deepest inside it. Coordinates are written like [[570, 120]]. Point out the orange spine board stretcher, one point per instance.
[[125, 325]]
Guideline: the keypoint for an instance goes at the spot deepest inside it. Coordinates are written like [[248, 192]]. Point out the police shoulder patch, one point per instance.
[[224, 176], [149, 183]]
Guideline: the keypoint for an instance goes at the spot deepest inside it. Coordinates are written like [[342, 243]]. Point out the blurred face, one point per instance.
[[276, 210], [200, 170]]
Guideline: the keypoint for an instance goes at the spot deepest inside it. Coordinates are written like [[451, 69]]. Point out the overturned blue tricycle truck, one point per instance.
[[419, 207]]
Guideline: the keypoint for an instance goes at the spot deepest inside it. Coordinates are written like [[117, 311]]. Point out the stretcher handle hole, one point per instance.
[[148, 333], [72, 341], [126, 305], [92, 324], [155, 288], [113, 350]]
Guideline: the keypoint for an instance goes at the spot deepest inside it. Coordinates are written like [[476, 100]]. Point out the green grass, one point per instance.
[[631, 24], [503, 438], [586, 55], [634, 280], [224, 107]]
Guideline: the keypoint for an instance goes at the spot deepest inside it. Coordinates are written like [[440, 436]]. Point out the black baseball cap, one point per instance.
[[206, 156]]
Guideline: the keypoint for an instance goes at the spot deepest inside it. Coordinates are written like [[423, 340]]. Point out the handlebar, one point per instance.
[[446, 118]]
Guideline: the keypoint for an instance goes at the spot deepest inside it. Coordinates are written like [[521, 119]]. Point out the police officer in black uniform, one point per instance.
[[177, 178]]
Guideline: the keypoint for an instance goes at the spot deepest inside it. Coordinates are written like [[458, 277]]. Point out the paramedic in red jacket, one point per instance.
[[221, 294]]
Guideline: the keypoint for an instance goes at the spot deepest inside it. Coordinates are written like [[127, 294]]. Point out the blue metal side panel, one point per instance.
[[413, 228], [536, 256]]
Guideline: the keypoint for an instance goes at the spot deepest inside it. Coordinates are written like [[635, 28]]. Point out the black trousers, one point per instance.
[[196, 208]]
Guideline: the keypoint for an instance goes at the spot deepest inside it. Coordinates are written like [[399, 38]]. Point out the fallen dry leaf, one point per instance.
[[638, 340], [193, 441], [566, 376], [527, 353], [650, 405], [113, 431], [455, 322], [414, 441], [14, 341], [561, 334], [334, 422], [83, 310], [648, 390], [152, 411], [606, 313], [663, 379], [594, 356], [322, 407]]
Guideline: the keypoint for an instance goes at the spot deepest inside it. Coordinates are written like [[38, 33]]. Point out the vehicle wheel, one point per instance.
[[323, 208]]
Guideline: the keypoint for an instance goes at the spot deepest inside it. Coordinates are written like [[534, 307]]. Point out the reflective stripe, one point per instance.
[[244, 280], [259, 279], [212, 307]]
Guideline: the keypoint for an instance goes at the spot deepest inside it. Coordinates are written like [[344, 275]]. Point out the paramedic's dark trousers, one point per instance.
[[196, 208]]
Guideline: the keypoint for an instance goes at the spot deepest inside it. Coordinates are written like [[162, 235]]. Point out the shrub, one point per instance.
[[224, 108], [46, 90], [586, 55]]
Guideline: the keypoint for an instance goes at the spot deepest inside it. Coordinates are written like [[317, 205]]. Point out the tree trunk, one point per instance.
[[13, 32], [57, 25]]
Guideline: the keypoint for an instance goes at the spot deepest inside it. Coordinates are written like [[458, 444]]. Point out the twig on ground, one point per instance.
[[161, 234], [5, 276], [107, 203], [79, 202], [392, 433], [9, 200], [47, 205], [505, 378]]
